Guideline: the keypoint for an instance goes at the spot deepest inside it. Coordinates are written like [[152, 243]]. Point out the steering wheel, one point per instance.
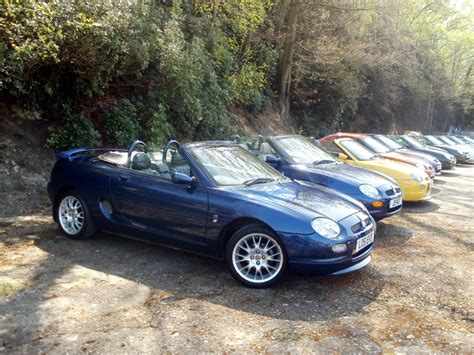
[[167, 147], [134, 147]]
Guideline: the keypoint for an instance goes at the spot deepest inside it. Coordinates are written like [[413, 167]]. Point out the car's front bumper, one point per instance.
[[416, 191], [384, 211], [312, 254], [333, 266], [448, 164], [463, 159]]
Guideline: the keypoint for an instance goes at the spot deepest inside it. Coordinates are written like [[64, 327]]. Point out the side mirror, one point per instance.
[[342, 156], [273, 161], [182, 179]]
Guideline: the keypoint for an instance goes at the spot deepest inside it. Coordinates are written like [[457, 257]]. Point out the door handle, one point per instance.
[[124, 178]]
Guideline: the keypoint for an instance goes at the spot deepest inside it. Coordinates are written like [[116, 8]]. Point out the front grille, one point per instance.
[[363, 224], [362, 251], [393, 191]]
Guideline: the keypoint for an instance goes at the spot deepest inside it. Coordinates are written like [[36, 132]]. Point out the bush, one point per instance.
[[62, 52], [158, 129], [177, 73], [78, 131], [248, 85], [122, 124]]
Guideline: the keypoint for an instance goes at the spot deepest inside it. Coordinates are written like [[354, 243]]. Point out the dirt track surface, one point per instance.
[[116, 295]]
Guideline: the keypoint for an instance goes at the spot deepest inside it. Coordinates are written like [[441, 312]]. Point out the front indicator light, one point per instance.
[[422, 186], [339, 248], [377, 204]]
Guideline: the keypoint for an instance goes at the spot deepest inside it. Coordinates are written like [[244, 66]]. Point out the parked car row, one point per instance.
[[263, 205]]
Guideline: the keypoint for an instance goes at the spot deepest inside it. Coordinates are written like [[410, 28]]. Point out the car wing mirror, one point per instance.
[[342, 156], [183, 179], [273, 161]]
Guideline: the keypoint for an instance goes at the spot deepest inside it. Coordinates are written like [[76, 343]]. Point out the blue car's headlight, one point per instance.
[[369, 191], [326, 227], [416, 177]]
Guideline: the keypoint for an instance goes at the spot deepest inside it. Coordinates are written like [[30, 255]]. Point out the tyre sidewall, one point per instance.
[[88, 228], [236, 237]]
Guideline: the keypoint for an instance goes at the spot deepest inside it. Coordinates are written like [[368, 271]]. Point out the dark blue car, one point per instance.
[[448, 161], [299, 158], [214, 199]]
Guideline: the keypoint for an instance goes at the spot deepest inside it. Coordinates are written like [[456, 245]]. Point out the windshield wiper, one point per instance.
[[257, 181], [376, 156], [324, 161]]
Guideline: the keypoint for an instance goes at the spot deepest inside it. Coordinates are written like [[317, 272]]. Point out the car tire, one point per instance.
[[255, 256], [73, 216]]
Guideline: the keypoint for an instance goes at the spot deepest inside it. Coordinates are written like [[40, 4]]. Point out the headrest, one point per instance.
[[265, 148], [141, 161], [177, 159]]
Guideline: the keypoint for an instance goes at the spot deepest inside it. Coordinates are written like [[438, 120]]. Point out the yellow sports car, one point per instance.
[[415, 183]]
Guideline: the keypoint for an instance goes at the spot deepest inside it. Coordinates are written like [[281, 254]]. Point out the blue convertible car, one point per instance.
[[298, 158], [215, 199]]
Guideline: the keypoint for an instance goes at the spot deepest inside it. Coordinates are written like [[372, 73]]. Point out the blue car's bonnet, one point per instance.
[[345, 173], [306, 199]]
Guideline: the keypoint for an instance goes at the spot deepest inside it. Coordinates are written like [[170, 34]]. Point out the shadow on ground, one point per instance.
[[172, 277], [389, 235], [426, 206], [185, 275]]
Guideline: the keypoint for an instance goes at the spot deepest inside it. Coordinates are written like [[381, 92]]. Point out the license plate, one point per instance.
[[395, 202], [364, 241]]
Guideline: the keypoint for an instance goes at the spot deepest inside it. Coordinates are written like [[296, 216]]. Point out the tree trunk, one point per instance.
[[287, 58]]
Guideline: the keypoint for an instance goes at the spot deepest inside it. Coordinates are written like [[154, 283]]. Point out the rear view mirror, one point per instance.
[[273, 161], [182, 179], [342, 156]]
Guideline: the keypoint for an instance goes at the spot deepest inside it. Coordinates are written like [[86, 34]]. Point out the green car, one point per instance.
[[462, 155]]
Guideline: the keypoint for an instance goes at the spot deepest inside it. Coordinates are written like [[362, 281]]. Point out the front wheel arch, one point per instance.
[[230, 228], [57, 198]]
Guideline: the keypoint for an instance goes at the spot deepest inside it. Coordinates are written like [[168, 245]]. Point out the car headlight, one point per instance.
[[416, 177], [369, 191], [326, 227]]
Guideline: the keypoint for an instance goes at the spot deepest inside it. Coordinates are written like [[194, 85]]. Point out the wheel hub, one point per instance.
[[257, 257], [71, 215]]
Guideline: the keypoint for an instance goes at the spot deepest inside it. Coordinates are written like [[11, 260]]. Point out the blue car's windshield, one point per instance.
[[467, 139], [233, 165], [358, 150], [457, 140], [389, 142], [446, 140], [434, 140], [373, 145], [413, 142], [302, 151]]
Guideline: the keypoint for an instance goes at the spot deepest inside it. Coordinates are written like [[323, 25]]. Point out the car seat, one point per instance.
[[265, 150], [179, 165]]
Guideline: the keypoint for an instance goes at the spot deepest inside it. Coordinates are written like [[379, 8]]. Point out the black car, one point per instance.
[[448, 161]]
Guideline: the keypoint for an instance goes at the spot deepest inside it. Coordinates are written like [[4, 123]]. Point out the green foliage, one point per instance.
[[247, 86], [78, 131], [158, 129], [121, 123], [172, 68]]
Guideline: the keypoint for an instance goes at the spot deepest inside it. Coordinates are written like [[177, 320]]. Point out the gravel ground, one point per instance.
[[116, 295]]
